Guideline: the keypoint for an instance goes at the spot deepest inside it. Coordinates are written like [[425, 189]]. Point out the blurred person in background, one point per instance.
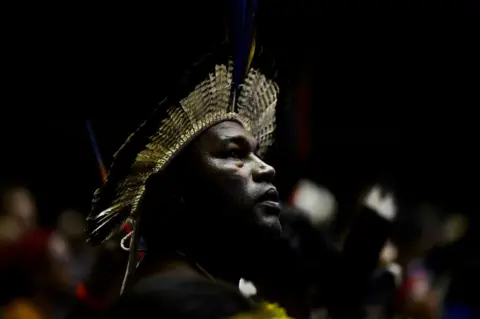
[[319, 206], [71, 228], [456, 265], [18, 215], [70, 250], [39, 277], [415, 233], [315, 202]]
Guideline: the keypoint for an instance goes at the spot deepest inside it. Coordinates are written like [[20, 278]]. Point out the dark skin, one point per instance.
[[227, 162], [227, 203]]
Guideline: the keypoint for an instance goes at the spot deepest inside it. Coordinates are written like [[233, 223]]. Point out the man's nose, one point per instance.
[[263, 172]]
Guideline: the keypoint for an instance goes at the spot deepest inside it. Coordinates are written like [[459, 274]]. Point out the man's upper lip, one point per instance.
[[270, 195]]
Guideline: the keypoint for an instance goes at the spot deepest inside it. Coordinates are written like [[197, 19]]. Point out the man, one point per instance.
[[19, 213], [193, 186]]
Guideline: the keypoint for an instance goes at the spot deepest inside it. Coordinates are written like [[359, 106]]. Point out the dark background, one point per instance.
[[394, 90]]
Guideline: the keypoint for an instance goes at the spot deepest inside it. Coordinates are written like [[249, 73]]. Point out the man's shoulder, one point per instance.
[[181, 297], [168, 283]]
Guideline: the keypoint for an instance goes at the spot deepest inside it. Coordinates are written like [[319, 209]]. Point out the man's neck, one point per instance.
[[187, 264], [245, 258], [220, 265]]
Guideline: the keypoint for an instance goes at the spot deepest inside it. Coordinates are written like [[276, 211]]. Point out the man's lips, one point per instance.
[[269, 195], [269, 202]]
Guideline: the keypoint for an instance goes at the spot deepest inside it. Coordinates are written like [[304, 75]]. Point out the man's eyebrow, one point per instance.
[[241, 140]]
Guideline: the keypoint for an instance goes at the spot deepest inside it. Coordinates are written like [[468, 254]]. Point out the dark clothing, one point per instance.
[[361, 255], [178, 297], [341, 279]]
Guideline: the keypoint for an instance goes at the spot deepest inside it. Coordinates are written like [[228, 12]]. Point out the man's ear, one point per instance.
[[164, 192]]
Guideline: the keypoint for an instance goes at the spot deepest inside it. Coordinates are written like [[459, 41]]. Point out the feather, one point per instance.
[[244, 40], [98, 155], [103, 226], [251, 33], [239, 35]]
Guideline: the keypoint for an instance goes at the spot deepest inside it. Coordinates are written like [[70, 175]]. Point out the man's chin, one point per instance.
[[267, 217], [272, 223]]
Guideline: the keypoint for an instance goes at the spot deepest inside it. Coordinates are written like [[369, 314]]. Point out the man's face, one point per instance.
[[231, 179]]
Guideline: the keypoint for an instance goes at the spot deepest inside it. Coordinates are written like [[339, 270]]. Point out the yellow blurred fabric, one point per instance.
[[22, 309], [266, 311]]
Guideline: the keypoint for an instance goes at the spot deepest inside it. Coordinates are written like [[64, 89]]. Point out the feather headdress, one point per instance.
[[223, 90]]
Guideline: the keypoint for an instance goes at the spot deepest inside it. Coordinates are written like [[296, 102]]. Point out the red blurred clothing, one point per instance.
[[33, 249]]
